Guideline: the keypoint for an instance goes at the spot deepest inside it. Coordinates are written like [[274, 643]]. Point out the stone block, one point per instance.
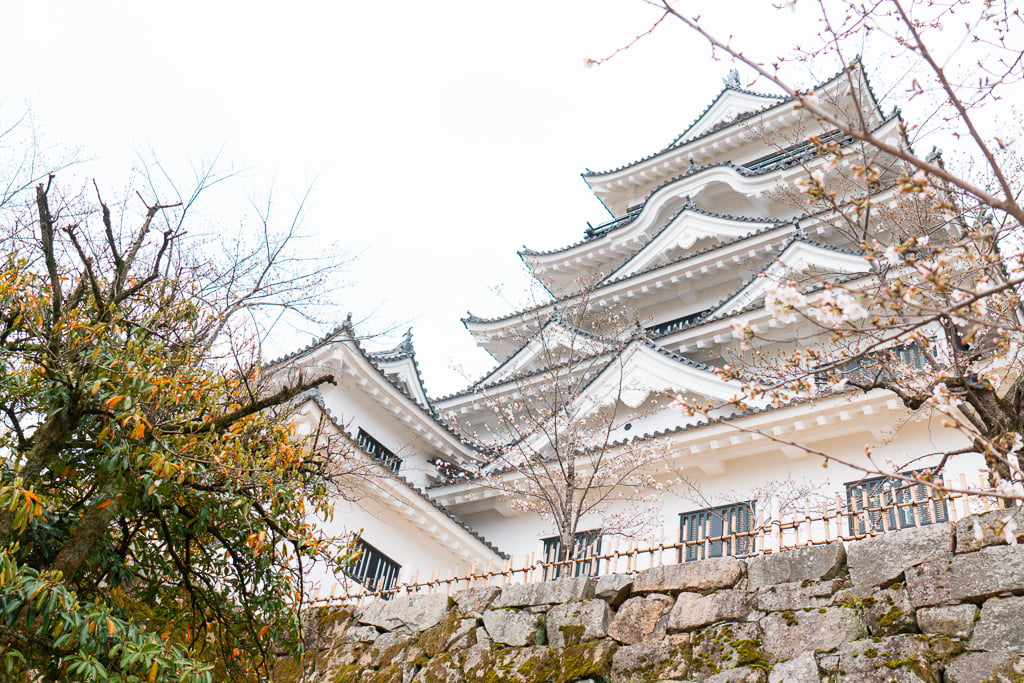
[[388, 648], [660, 660], [800, 669], [641, 619], [693, 610], [890, 612], [439, 671], [559, 591], [744, 674], [791, 633], [723, 647], [577, 622], [587, 660], [971, 576], [614, 588], [992, 526], [813, 563], [986, 667], [405, 613], [1001, 626], [519, 665], [951, 621], [362, 634], [882, 559], [793, 596], [473, 601], [642, 656], [719, 572], [510, 627], [899, 659]]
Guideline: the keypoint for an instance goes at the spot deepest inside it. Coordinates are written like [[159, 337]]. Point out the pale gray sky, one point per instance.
[[443, 136]]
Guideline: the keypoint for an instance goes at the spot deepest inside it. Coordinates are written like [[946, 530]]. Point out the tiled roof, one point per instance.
[[679, 429], [679, 140], [470, 318], [555, 318], [756, 304], [599, 232], [694, 169], [640, 333], [347, 329], [318, 399]]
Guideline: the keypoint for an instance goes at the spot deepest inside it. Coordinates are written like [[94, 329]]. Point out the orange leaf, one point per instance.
[[263, 631], [104, 504], [139, 431], [152, 672], [114, 401], [110, 626]]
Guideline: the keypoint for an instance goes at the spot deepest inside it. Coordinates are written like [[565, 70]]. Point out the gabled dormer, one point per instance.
[[801, 256], [739, 126], [732, 103], [399, 365]]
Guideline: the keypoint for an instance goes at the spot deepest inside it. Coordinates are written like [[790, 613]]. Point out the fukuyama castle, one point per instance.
[[642, 314]]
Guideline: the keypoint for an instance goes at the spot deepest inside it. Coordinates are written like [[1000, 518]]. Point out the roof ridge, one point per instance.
[[470, 318], [677, 142], [428, 409]]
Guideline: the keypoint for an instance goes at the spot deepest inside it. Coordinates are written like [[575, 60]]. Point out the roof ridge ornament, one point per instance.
[[406, 344], [732, 79]]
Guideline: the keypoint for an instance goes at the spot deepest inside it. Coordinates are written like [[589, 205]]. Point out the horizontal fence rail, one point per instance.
[[865, 512]]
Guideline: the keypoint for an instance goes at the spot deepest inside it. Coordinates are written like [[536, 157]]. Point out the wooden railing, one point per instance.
[[860, 515]]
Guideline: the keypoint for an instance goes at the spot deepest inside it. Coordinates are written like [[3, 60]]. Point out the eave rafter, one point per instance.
[[710, 446]]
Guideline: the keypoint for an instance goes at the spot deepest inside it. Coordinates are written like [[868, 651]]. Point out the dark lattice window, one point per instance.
[[883, 503], [375, 571], [587, 546], [378, 450], [717, 531]]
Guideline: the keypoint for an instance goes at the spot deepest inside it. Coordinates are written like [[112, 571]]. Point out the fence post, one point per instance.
[[777, 523], [807, 520]]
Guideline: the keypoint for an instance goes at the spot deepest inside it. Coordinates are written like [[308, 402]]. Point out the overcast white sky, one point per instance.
[[443, 136]]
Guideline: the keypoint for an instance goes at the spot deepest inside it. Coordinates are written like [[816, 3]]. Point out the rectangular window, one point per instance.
[[588, 545], [717, 531], [885, 504], [374, 571], [379, 452], [874, 365]]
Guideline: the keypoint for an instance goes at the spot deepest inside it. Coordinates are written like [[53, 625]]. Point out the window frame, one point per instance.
[[374, 570], [583, 564], [894, 497], [693, 530], [378, 451]]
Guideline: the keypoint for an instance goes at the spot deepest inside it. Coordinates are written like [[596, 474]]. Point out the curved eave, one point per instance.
[[798, 254], [611, 250], [480, 397], [493, 335], [730, 104], [631, 237], [340, 351], [608, 185], [631, 376], [398, 494], [708, 333], [709, 445], [553, 332]]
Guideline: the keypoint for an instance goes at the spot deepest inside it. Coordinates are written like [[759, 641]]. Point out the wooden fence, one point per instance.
[[865, 512]]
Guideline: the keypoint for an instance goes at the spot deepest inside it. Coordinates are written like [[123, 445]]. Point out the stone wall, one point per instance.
[[938, 603]]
